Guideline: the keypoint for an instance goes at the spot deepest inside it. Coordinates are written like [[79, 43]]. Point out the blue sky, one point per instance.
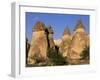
[[58, 22]]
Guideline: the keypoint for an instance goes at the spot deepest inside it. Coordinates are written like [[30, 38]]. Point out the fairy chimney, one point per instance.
[[65, 42], [80, 40], [50, 40], [38, 46], [79, 27]]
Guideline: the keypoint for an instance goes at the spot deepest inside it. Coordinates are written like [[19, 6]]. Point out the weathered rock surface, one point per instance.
[[27, 48], [42, 40], [65, 42], [49, 34], [38, 47], [70, 47], [57, 42], [79, 41]]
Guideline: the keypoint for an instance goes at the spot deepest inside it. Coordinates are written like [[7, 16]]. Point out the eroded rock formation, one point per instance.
[[42, 40], [65, 42], [80, 40], [49, 34], [70, 47], [38, 46]]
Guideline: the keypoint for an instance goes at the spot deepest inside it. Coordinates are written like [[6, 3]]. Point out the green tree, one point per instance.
[[56, 57], [85, 53]]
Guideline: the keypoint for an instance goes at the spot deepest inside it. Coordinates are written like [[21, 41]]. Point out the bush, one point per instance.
[[85, 53], [56, 57]]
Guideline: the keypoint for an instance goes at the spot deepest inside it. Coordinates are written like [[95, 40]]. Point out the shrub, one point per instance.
[[85, 53], [56, 57]]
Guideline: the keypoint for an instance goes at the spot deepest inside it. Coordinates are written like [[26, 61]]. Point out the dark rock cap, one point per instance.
[[39, 26], [79, 25], [49, 29]]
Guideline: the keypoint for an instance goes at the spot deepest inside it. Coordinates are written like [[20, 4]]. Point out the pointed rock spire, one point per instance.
[[79, 24], [39, 26], [50, 30], [66, 31]]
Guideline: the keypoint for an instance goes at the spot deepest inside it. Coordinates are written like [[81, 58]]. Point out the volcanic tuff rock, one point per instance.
[[57, 42], [80, 40], [65, 42], [70, 47], [42, 40], [49, 34], [38, 46], [27, 48]]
